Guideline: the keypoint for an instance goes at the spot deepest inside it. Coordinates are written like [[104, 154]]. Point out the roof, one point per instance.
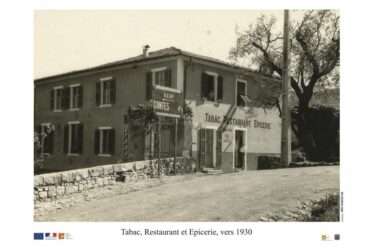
[[167, 52]]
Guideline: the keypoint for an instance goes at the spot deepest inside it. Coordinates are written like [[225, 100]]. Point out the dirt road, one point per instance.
[[240, 196]]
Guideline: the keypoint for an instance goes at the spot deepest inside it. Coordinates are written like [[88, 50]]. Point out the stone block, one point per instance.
[[100, 182], [52, 179], [38, 180], [108, 169], [43, 195], [70, 189], [68, 177], [60, 190], [81, 187], [105, 181], [52, 191], [123, 167], [111, 182], [89, 185], [95, 172]]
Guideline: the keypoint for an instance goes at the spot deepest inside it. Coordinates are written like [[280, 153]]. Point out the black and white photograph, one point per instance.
[[187, 115]]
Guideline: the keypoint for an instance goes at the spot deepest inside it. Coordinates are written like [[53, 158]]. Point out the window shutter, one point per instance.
[[204, 85], [148, 85], [80, 96], [66, 98], [219, 148], [220, 88], [113, 91], [98, 93], [111, 141], [52, 100], [97, 141], [50, 138], [80, 138], [168, 78], [66, 139]]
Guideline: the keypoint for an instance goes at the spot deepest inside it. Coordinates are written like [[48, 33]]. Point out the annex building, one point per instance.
[[89, 111]]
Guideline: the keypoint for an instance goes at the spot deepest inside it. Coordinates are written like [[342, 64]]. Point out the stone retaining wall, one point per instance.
[[57, 185]]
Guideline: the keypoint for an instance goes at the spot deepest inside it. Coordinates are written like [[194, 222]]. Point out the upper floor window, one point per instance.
[[157, 76], [211, 86], [57, 98], [104, 141], [106, 92], [241, 93], [76, 96], [73, 138]]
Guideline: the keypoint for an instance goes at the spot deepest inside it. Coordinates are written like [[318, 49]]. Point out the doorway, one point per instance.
[[239, 150], [206, 148]]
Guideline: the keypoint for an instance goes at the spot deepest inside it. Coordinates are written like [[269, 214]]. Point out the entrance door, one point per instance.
[[206, 147], [239, 149]]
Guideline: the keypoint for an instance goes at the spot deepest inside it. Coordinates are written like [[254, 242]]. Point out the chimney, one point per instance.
[[145, 50]]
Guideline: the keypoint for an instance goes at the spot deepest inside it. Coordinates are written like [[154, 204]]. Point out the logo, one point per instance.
[[50, 236], [60, 236], [337, 237], [325, 237], [38, 236]]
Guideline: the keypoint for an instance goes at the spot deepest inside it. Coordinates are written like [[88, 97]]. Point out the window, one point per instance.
[[106, 92], [104, 141], [56, 98], [211, 86], [76, 97], [73, 138], [241, 93], [47, 142], [158, 76]]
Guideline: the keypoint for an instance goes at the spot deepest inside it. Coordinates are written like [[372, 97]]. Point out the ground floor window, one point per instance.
[[104, 141], [73, 138]]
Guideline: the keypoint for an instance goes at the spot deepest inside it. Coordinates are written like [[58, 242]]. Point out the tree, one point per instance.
[[315, 56], [39, 138]]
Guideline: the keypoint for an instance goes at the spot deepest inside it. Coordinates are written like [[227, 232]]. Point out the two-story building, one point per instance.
[[87, 109]]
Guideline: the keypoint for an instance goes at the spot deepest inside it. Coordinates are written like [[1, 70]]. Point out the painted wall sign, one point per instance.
[[236, 121], [167, 101]]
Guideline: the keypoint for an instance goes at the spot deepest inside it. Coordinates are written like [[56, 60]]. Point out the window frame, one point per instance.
[[236, 91], [71, 101], [215, 86], [101, 143], [55, 89], [69, 153], [158, 70], [42, 126], [102, 83]]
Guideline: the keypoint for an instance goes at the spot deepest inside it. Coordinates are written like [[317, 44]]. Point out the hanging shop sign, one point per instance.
[[167, 101]]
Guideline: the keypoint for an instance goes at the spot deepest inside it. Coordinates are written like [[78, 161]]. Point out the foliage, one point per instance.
[[326, 209], [38, 145], [315, 57], [324, 126], [268, 162]]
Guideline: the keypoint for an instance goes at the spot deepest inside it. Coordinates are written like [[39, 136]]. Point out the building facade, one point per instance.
[[88, 109]]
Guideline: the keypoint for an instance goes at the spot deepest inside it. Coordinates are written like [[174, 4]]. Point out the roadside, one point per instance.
[[239, 196]]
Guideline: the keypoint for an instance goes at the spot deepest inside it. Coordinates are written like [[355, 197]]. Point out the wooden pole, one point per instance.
[[175, 145], [159, 146], [285, 132]]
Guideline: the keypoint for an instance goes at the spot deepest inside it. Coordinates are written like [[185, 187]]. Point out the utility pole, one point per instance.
[[286, 131]]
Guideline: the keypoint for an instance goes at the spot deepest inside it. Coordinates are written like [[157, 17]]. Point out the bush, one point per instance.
[[268, 162], [326, 209]]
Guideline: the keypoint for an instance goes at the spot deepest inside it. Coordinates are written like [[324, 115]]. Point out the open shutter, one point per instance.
[[148, 85], [204, 85], [97, 141], [113, 91], [202, 147], [168, 78], [66, 98], [80, 96], [98, 93], [50, 138], [66, 139], [111, 141], [80, 138], [220, 88], [219, 148], [52, 100]]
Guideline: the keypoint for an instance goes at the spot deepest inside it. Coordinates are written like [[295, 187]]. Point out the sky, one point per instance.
[[66, 40]]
